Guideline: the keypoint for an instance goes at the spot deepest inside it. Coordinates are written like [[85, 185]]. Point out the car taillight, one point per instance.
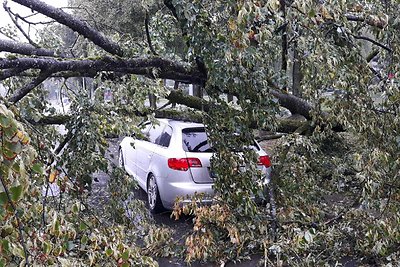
[[264, 160], [183, 164]]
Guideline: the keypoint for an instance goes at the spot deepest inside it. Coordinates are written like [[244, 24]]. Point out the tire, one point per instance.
[[153, 196], [121, 162]]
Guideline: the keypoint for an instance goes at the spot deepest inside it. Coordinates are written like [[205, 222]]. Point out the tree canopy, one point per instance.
[[322, 76]]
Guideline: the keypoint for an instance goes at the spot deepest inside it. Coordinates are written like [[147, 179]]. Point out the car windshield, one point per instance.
[[195, 140]]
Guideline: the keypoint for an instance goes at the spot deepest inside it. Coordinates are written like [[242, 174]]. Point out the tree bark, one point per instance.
[[297, 75], [20, 93], [284, 44], [25, 49], [163, 68]]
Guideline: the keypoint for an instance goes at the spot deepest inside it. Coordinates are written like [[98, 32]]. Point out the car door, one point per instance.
[[145, 150], [131, 155]]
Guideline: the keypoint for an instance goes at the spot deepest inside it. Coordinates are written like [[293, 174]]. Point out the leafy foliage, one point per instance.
[[332, 195]]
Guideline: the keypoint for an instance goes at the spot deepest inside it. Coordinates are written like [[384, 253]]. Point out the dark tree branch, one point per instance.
[[284, 44], [7, 73], [178, 97], [294, 104], [50, 120], [374, 42], [20, 93], [60, 147], [288, 125], [146, 25], [372, 55], [25, 49], [171, 7], [152, 67], [75, 24], [296, 74]]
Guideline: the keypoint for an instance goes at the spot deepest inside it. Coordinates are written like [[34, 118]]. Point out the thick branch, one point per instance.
[[152, 67], [75, 24], [294, 104], [177, 97], [7, 73], [20, 93], [50, 120], [284, 41], [25, 49], [288, 125], [371, 20]]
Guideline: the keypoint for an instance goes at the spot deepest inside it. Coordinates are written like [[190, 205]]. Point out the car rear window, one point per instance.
[[195, 140]]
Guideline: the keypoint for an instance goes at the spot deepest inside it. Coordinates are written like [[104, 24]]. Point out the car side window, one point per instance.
[[155, 132], [145, 131], [165, 137]]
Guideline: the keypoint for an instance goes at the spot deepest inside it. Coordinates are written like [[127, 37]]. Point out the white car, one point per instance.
[[173, 159]]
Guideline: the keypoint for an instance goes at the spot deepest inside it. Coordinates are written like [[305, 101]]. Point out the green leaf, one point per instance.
[[109, 252], [11, 131], [9, 155], [4, 121], [16, 192], [47, 247], [125, 255], [84, 240], [5, 246], [312, 13], [38, 168], [3, 198], [82, 226]]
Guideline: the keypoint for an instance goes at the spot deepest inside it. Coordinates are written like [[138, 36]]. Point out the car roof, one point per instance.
[[181, 124]]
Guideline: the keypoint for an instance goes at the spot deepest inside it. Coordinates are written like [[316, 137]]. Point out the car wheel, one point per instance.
[[121, 163], [153, 195]]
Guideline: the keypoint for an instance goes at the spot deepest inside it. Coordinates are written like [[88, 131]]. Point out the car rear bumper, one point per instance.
[[170, 191]]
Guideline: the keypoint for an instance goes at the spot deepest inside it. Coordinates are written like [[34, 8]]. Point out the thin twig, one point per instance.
[[12, 17]]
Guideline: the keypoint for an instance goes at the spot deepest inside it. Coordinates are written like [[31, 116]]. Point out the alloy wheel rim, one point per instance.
[[120, 160], [152, 192]]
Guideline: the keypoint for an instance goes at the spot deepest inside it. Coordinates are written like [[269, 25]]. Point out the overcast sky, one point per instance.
[[23, 11]]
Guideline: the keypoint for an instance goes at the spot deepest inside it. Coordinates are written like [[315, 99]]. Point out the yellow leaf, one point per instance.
[[20, 135], [53, 176]]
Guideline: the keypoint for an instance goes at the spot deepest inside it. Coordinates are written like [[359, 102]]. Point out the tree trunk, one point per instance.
[[297, 75], [197, 90], [153, 101]]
